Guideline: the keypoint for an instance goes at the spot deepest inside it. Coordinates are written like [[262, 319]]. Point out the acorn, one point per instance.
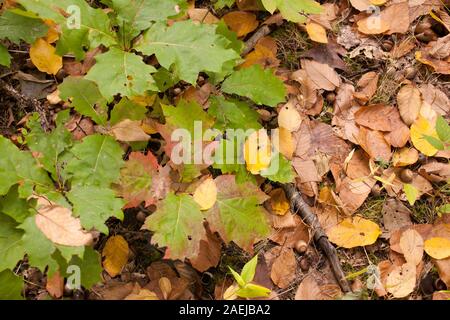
[[406, 175], [301, 246], [330, 97], [439, 285], [387, 45], [177, 91], [410, 72], [376, 190], [141, 216]]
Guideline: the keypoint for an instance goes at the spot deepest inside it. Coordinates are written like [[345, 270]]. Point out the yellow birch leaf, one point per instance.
[[43, 56], [279, 202], [438, 248], [316, 32], [115, 255], [206, 194], [355, 232], [420, 128]]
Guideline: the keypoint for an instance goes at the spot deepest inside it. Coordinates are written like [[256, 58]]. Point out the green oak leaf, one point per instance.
[[96, 161], [49, 146], [233, 114], [20, 167], [85, 98], [11, 246], [12, 286], [238, 215], [5, 57], [17, 25], [185, 114], [117, 71], [81, 24], [187, 48], [90, 267], [290, 9], [178, 225], [94, 205], [127, 109], [137, 15], [260, 85]]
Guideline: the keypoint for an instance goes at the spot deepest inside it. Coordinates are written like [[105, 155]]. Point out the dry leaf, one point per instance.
[[278, 202], [43, 56], [289, 118], [402, 280], [129, 131], [257, 151], [264, 54], [438, 248], [115, 255], [55, 285], [405, 157], [202, 15], [374, 143], [322, 75], [206, 194], [409, 102], [241, 22], [420, 128], [395, 216], [367, 86], [411, 243], [286, 143], [58, 225], [354, 232], [316, 32], [283, 268]]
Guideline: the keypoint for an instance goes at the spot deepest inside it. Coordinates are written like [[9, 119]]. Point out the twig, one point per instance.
[[25, 102], [305, 212], [251, 43]]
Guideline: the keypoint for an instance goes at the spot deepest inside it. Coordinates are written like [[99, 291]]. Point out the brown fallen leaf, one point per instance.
[[366, 87], [395, 216], [209, 252], [401, 281], [55, 285], [409, 103], [202, 15], [378, 117], [412, 246], [309, 289], [264, 54], [322, 75], [329, 54], [283, 268], [374, 143], [129, 131]]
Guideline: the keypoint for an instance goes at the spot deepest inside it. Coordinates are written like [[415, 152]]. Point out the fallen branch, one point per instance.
[[251, 43], [26, 102], [301, 207]]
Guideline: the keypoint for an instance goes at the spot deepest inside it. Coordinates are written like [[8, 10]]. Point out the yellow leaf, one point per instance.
[[378, 2], [43, 56], [401, 281], [420, 128], [405, 157], [52, 33], [355, 232], [316, 32], [115, 255], [206, 194], [278, 202], [373, 25], [286, 143], [438, 248], [257, 151], [241, 22]]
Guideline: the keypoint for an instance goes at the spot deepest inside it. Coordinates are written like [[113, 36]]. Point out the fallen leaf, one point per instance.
[[378, 117], [43, 56], [316, 32], [278, 202], [409, 102], [322, 75], [286, 143], [367, 86], [412, 246], [354, 232], [374, 143], [264, 54], [283, 268], [209, 252], [58, 225], [289, 118], [129, 131], [241, 22], [402, 280], [202, 15], [55, 285], [405, 157], [329, 54], [438, 248], [420, 128], [308, 289], [115, 255], [395, 216], [206, 194], [257, 151]]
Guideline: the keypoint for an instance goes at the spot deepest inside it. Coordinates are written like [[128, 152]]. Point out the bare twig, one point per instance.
[[251, 43], [305, 212], [25, 102]]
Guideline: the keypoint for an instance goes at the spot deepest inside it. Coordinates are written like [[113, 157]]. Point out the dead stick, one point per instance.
[[251, 43], [26, 102], [305, 212]]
